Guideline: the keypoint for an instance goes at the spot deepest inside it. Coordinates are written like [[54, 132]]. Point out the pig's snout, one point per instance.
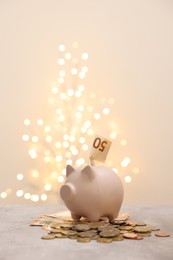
[[67, 191]]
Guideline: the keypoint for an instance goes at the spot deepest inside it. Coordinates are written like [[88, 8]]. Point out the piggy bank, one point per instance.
[[94, 192]]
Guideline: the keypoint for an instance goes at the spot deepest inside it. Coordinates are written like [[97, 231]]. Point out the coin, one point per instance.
[[109, 233], [46, 227], [142, 230], [126, 228], [147, 234], [153, 228], [138, 238], [66, 226], [162, 234], [118, 238], [82, 227], [86, 234], [118, 222], [104, 240], [140, 223], [130, 235], [60, 236], [68, 232], [47, 237], [73, 237], [106, 228], [83, 239], [95, 225], [55, 231]]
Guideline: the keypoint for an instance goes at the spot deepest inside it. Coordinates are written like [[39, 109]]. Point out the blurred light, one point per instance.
[[25, 137], [58, 145], [47, 187], [77, 93], [70, 92], [69, 161], [80, 162], [82, 140], [60, 80], [97, 116], [111, 101], [81, 87], [82, 75], [106, 111], [19, 177], [92, 95], [125, 162], [68, 154], [34, 139], [65, 137], [47, 159], [113, 135], [19, 193], [74, 71], [27, 122], [47, 128], [61, 61], [65, 144], [127, 179], [85, 69], [58, 158], [62, 73], [3, 195], [85, 147], [64, 171], [78, 115], [54, 90], [32, 153], [80, 108], [68, 56], [123, 142], [43, 197], [34, 173], [85, 56], [60, 179], [34, 198], [87, 123], [90, 108], [27, 196], [40, 122], [83, 130], [90, 132], [63, 96], [115, 170], [48, 139], [61, 47], [61, 118]]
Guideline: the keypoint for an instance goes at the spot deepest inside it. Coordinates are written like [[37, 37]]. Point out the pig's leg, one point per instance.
[[110, 217], [74, 216]]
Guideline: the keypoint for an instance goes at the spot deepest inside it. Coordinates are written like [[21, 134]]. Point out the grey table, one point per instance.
[[20, 241]]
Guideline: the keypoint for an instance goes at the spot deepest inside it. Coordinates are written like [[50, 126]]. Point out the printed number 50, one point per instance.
[[99, 144]]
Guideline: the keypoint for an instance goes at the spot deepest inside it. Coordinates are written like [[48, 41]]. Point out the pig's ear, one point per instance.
[[88, 171], [69, 170]]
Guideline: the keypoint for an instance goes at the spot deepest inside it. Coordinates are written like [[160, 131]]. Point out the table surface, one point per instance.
[[20, 241]]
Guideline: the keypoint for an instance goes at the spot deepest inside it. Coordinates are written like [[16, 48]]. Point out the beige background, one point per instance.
[[131, 59]]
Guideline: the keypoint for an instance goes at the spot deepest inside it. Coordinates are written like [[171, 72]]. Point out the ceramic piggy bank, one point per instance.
[[94, 192]]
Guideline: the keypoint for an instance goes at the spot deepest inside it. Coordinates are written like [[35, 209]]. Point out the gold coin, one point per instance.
[[95, 225], [83, 239], [68, 232], [140, 223], [142, 229], [153, 228], [126, 228], [87, 234], [47, 237], [162, 234], [118, 222], [104, 240], [106, 228], [55, 231], [118, 238], [138, 238], [66, 226], [82, 227], [130, 235], [109, 233], [60, 236], [73, 237], [144, 234]]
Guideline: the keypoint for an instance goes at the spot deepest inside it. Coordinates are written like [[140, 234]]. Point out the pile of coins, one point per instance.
[[101, 231]]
